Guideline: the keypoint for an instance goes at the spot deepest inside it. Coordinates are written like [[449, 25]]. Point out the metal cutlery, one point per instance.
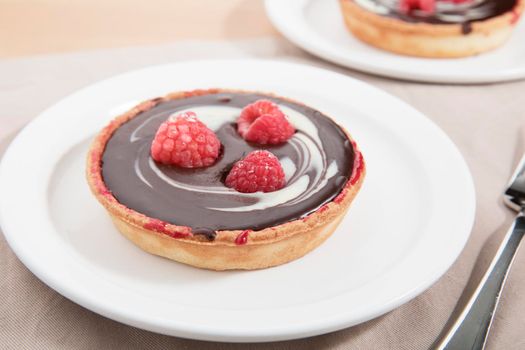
[[469, 330]]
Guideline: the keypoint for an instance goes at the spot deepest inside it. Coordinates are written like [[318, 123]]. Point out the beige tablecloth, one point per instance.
[[482, 120]]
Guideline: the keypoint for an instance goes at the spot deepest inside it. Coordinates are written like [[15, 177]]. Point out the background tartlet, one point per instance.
[[429, 39]]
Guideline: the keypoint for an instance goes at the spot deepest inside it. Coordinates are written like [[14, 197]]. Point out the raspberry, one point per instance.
[[427, 5], [264, 123], [424, 5], [185, 141], [258, 171]]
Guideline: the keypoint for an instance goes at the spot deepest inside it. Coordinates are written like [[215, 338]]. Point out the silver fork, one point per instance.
[[470, 329]]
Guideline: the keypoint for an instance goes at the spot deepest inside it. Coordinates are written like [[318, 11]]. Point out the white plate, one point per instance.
[[407, 226], [317, 26]]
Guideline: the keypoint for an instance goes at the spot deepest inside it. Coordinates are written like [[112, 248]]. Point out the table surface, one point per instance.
[[29, 27]]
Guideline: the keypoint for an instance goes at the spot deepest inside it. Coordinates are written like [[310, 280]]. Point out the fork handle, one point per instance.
[[469, 330]]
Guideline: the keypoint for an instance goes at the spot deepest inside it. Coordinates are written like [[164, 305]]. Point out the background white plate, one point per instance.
[[407, 226], [317, 26]]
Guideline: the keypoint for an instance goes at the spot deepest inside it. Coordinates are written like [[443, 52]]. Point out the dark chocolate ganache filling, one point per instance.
[[447, 12], [317, 161]]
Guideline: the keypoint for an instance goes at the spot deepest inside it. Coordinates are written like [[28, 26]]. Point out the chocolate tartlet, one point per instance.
[[453, 28], [190, 216]]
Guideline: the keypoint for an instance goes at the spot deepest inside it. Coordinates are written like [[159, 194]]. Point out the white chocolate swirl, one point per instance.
[[304, 179], [445, 12]]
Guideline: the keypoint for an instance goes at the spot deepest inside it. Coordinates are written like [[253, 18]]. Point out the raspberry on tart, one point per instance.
[[258, 171], [185, 141], [424, 5], [188, 214], [264, 123], [432, 28]]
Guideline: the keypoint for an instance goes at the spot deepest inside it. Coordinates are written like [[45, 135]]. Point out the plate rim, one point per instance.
[[218, 334], [274, 9]]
